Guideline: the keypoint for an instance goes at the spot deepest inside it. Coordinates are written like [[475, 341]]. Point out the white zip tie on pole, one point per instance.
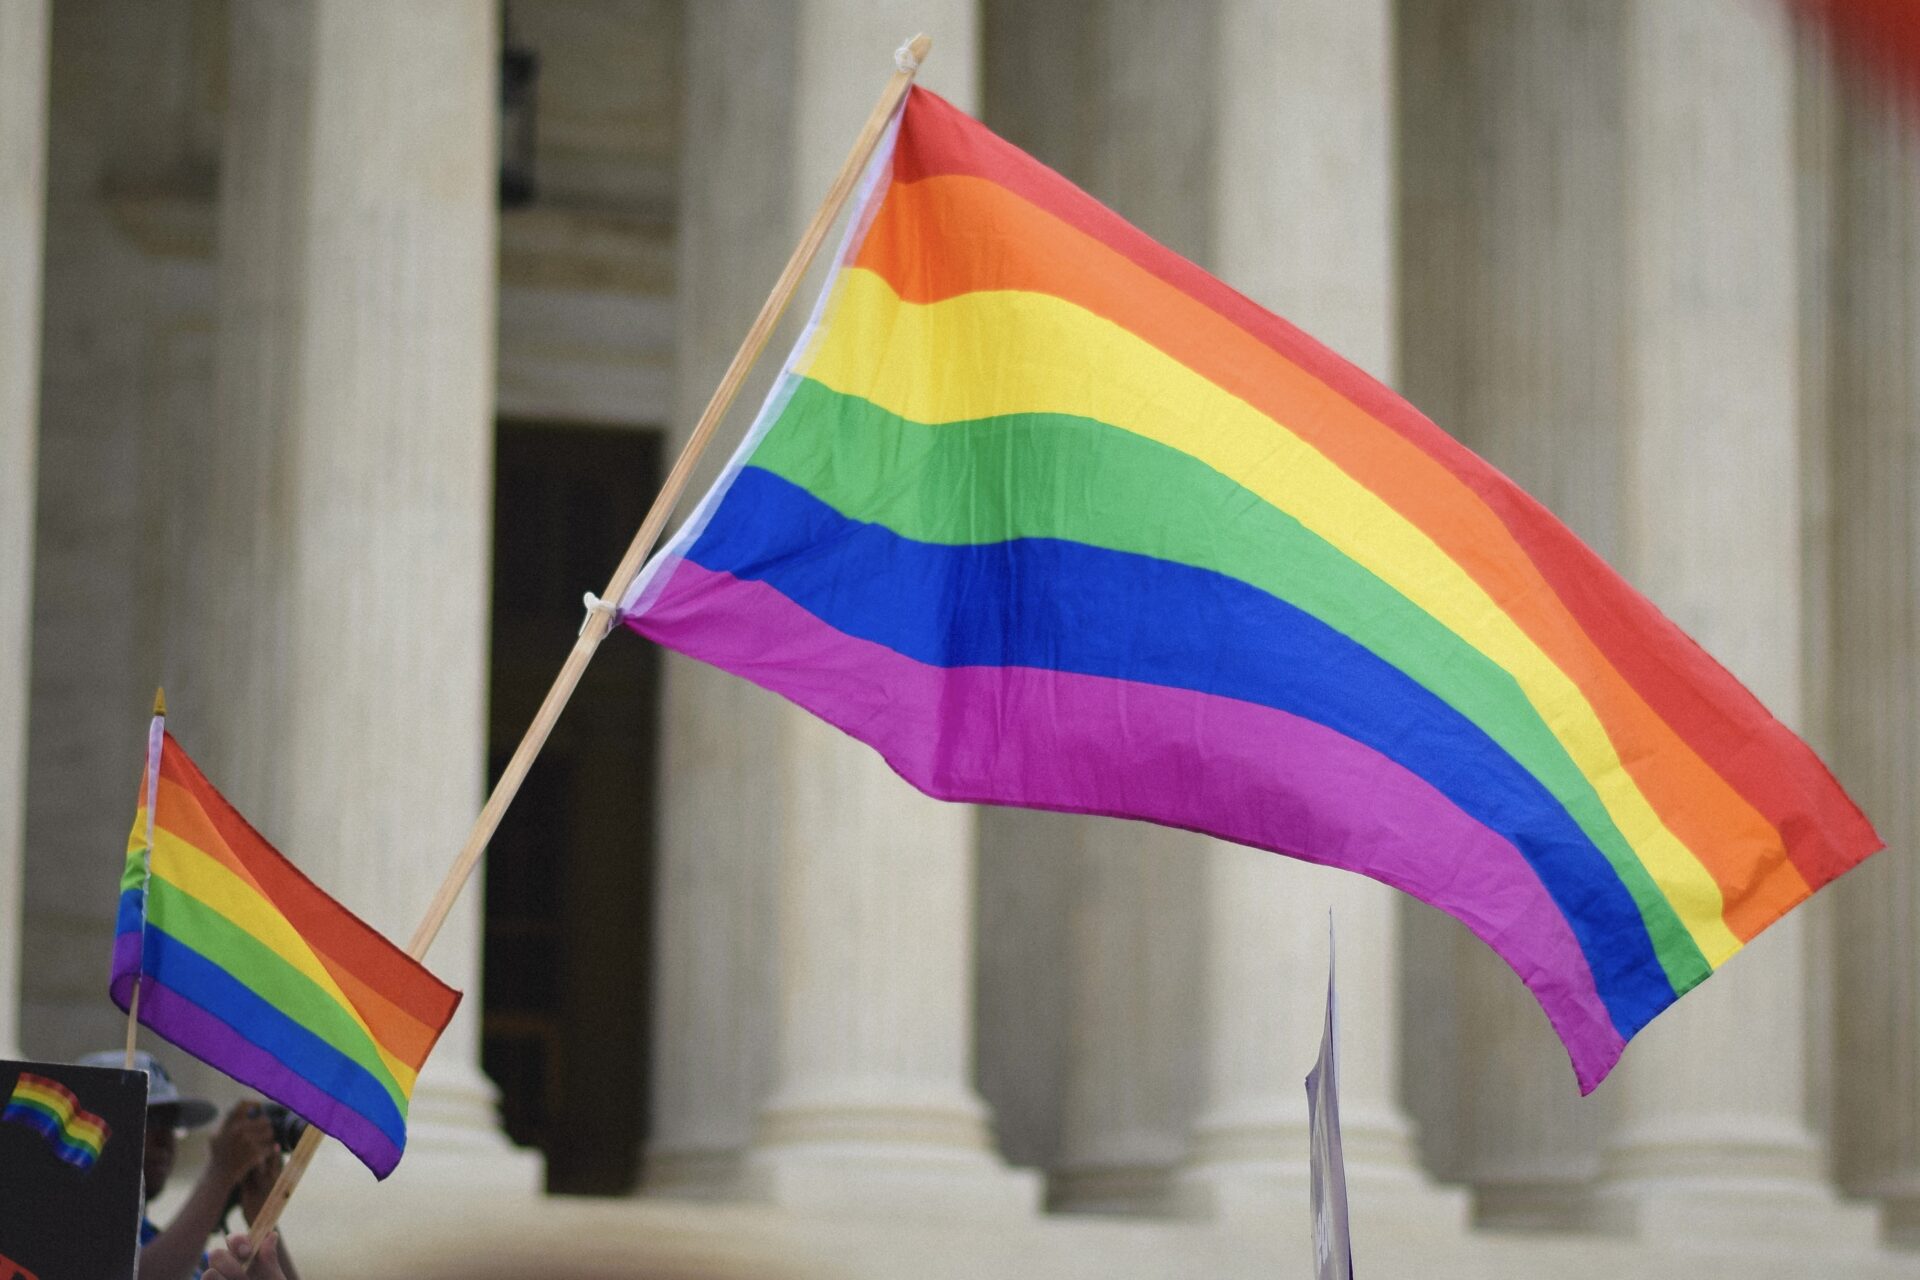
[[904, 60], [595, 605]]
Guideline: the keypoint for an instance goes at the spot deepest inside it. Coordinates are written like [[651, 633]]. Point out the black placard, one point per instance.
[[59, 1221]]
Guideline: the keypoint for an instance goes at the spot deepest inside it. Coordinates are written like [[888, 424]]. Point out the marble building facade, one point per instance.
[[270, 350]]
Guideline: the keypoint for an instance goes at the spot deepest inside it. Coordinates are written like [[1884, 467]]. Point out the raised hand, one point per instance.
[[232, 1261], [242, 1144], [258, 1181]]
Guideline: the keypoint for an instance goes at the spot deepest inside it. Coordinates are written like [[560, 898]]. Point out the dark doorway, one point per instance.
[[569, 911]]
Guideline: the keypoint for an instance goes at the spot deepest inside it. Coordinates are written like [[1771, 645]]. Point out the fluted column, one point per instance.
[[1875, 454], [1115, 95], [1024, 872], [1713, 1134], [23, 196], [1062, 1081], [100, 495], [1133, 1017], [839, 1070], [332, 625], [716, 866], [872, 1102], [1511, 113], [1301, 196]]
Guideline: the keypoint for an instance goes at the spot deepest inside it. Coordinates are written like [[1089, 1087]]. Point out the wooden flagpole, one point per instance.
[[147, 792], [599, 621], [133, 1022]]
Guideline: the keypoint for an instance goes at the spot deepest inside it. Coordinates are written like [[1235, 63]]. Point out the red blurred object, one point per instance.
[[1883, 34]]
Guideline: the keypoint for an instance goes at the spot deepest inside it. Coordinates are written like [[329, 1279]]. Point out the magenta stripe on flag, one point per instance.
[[1090, 744], [186, 1023]]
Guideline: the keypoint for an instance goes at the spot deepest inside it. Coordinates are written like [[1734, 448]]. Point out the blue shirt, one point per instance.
[[148, 1231]]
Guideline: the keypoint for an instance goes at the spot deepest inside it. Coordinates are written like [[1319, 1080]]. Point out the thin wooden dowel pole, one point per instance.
[[133, 1021], [600, 621], [276, 1202], [150, 792]]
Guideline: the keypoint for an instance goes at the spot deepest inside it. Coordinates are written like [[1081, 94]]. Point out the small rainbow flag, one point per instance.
[[1051, 517], [243, 963], [78, 1136]]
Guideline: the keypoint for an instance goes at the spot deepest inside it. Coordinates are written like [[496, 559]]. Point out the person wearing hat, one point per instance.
[[241, 1155]]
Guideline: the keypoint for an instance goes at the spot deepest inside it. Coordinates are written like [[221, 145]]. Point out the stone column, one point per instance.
[[1513, 252], [1875, 453], [97, 505], [1134, 1021], [713, 1024], [1032, 68], [848, 1082], [1817, 119], [1301, 199], [1024, 975], [1115, 96], [1713, 1135], [334, 619], [23, 198], [872, 1103]]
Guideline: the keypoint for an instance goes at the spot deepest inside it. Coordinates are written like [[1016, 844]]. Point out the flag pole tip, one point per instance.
[[160, 702], [911, 54]]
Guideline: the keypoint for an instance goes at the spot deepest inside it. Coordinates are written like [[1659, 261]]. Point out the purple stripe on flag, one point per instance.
[[213, 1041], [1089, 744], [126, 963]]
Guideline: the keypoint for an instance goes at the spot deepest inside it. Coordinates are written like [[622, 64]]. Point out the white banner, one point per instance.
[[1332, 1247]]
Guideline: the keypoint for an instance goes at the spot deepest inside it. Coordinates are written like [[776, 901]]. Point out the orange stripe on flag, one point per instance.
[[359, 958]]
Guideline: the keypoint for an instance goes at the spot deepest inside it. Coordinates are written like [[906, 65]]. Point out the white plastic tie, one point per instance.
[[596, 605], [903, 58]]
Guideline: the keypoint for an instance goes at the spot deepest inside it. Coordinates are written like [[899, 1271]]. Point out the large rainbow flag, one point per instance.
[[1051, 517], [77, 1135], [244, 963]]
